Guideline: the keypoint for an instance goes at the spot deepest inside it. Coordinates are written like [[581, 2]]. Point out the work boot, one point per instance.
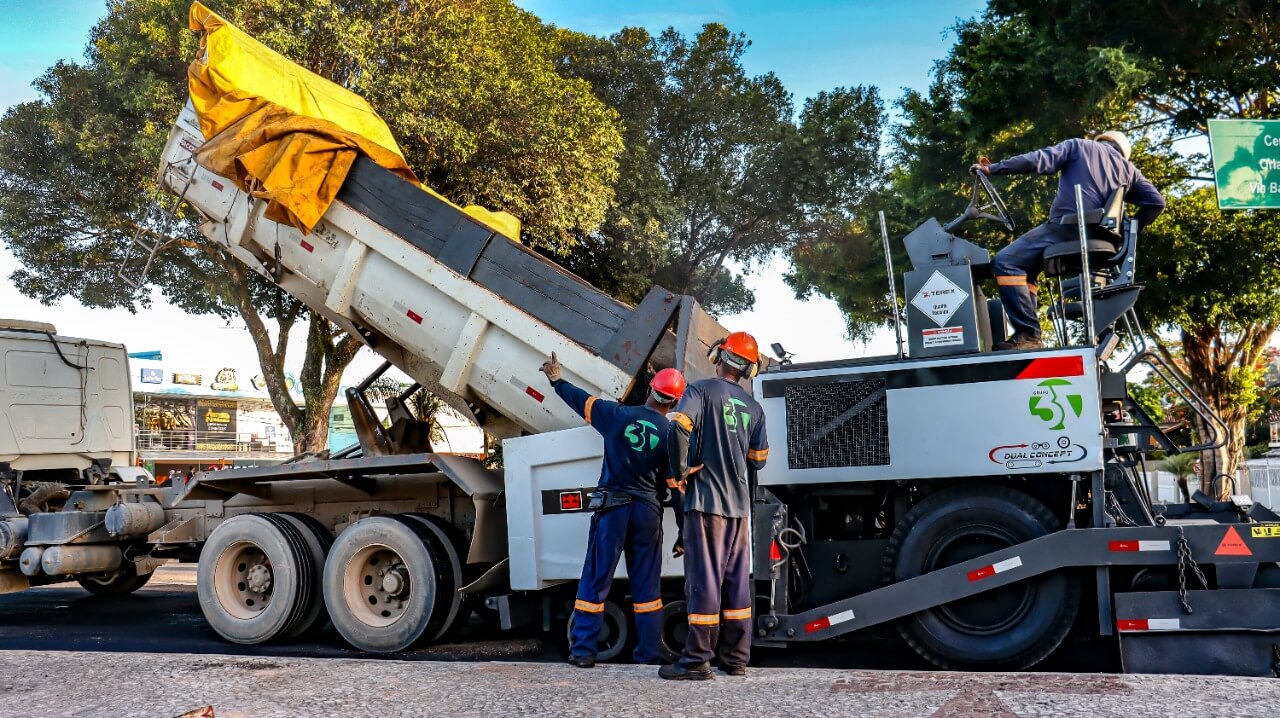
[[1019, 341], [583, 661], [679, 672], [731, 670]]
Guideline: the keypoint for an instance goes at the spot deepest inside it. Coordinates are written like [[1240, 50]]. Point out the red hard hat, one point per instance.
[[743, 345], [668, 382]]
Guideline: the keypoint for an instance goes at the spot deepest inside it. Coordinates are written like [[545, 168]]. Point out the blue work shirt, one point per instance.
[[1097, 167], [726, 429], [635, 443]]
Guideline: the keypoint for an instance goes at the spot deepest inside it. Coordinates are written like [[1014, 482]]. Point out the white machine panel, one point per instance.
[[547, 478], [979, 415]]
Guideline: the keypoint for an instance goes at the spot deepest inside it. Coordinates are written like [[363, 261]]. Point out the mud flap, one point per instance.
[[1229, 632]]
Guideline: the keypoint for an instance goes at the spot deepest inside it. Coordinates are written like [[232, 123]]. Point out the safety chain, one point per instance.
[[1185, 557]]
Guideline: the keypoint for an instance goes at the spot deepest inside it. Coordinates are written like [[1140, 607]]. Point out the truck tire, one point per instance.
[[381, 586], [121, 583], [1009, 628], [614, 635], [449, 574], [675, 629], [318, 540], [256, 578]]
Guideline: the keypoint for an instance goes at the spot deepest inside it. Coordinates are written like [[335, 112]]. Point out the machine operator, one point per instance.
[[1100, 166], [719, 428], [627, 509]]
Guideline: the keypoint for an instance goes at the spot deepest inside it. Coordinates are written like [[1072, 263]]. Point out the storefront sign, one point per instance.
[[215, 425], [152, 376], [189, 379]]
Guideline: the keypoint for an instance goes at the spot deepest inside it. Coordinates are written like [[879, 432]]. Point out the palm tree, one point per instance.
[[1182, 466]]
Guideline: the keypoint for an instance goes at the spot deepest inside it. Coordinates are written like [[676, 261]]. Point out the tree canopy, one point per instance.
[[717, 164]]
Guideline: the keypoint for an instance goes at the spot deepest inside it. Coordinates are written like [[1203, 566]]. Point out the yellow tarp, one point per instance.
[[285, 134]]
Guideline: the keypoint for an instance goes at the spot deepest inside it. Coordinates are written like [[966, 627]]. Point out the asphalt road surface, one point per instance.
[[164, 617]]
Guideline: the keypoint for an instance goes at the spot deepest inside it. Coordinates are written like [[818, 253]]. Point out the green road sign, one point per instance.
[[1246, 163]]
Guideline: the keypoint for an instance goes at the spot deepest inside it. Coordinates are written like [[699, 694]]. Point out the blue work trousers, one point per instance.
[[1016, 268], [636, 529], [717, 584]]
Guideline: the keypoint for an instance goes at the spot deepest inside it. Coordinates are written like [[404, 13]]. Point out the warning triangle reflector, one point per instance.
[[1232, 545]]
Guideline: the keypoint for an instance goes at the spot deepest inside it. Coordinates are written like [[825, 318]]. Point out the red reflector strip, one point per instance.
[[216, 185], [1149, 624], [413, 315], [1053, 367], [828, 621], [1127, 546], [1000, 567], [307, 246], [534, 393], [775, 553]]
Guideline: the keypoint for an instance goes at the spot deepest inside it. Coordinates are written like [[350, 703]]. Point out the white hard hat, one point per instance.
[[1117, 139]]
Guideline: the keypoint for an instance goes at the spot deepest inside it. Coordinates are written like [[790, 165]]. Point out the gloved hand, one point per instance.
[[551, 368], [983, 165], [678, 550]]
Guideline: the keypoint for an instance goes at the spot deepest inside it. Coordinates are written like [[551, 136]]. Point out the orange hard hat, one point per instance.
[[743, 345], [669, 383]]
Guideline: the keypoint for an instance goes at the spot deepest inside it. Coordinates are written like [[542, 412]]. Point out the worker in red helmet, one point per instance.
[[627, 510], [717, 439]]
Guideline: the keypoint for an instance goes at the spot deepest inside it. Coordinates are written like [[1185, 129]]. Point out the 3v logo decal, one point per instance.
[[1050, 401]]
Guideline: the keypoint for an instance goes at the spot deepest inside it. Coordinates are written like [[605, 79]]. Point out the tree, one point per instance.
[[1028, 73], [469, 88], [716, 165]]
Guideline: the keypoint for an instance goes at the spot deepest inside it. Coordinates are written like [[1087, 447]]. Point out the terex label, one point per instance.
[[939, 298]]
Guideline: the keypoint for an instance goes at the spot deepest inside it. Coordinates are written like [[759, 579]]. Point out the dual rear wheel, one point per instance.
[[386, 582]]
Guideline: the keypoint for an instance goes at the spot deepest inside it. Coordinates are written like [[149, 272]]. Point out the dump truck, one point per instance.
[[984, 503]]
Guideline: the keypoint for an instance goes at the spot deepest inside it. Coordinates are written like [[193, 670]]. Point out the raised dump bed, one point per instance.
[[465, 311]]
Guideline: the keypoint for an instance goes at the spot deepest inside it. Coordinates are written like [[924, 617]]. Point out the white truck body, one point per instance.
[[62, 411]]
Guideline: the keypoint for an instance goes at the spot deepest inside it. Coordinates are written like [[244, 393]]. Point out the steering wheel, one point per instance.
[[977, 209]]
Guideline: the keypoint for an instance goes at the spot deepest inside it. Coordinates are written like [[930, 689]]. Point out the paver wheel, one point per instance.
[[121, 583], [256, 578], [1008, 628], [381, 583]]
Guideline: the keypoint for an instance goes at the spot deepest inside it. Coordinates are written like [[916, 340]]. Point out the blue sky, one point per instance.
[[811, 45]]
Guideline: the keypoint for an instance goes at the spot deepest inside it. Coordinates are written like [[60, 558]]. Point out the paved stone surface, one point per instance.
[[36, 684]]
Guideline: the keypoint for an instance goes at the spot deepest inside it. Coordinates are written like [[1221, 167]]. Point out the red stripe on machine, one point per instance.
[[1149, 624], [534, 393], [1128, 546], [307, 246], [1053, 367], [828, 621], [216, 185], [999, 567], [413, 315]]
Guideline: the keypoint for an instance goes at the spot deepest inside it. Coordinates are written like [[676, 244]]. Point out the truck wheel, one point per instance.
[[1009, 628], [614, 633], [121, 583], [380, 583], [675, 629], [449, 572], [256, 578], [318, 540]]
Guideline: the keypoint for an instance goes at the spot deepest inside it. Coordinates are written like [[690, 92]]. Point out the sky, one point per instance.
[[811, 45]]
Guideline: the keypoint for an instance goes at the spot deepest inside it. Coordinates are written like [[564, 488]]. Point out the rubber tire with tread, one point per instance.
[[621, 631], [1047, 614], [412, 541], [121, 583], [293, 577], [318, 541], [449, 573]]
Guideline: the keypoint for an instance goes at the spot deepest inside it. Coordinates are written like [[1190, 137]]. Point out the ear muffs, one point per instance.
[[713, 356]]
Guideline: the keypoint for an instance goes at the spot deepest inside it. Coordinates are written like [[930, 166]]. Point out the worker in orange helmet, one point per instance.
[[717, 438], [627, 510]]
